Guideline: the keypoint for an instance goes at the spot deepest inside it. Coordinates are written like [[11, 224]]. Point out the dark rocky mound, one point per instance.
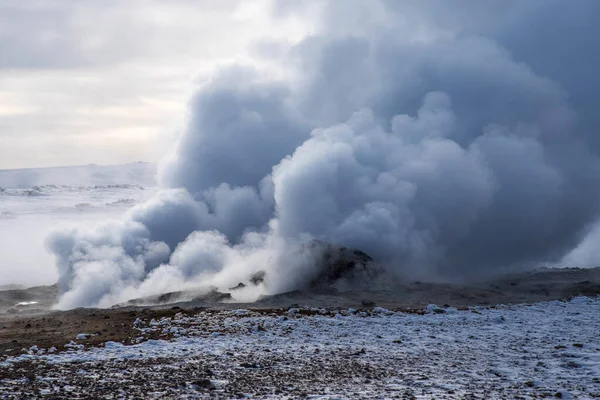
[[333, 265], [238, 286], [255, 279], [212, 296], [338, 263]]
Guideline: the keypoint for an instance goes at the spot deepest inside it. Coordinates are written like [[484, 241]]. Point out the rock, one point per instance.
[[434, 309], [380, 310], [368, 303], [213, 296], [238, 286], [173, 297], [204, 383], [360, 352], [169, 297], [338, 263]]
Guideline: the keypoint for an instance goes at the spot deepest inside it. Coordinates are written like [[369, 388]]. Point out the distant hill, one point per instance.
[[11, 286], [140, 173]]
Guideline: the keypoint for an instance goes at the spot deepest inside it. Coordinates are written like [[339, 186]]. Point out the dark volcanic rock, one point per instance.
[[213, 296], [335, 268], [168, 297], [239, 286], [368, 303], [336, 263], [333, 265]]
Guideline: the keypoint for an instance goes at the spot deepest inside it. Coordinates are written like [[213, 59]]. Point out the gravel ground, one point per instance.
[[544, 350]]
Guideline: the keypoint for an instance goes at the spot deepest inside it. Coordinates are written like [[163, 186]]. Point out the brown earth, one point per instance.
[[24, 326]]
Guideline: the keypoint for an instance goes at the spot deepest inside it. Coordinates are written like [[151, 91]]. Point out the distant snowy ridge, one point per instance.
[[42, 190], [139, 173]]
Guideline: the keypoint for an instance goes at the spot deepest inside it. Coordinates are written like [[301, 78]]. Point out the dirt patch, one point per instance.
[[24, 328], [57, 329]]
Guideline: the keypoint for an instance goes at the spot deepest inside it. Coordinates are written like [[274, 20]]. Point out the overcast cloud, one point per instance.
[[107, 81]]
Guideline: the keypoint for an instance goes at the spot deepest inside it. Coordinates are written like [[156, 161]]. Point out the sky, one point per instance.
[[107, 81]]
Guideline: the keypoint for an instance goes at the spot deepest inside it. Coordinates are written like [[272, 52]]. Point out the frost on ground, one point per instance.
[[545, 350]]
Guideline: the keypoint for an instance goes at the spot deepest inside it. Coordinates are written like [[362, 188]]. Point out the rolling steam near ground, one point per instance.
[[445, 140], [32, 201]]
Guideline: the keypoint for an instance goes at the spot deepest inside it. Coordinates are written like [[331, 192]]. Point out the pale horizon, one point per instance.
[[80, 165]]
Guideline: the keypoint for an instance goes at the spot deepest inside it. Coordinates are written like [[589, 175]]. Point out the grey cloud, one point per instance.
[[36, 37], [66, 34]]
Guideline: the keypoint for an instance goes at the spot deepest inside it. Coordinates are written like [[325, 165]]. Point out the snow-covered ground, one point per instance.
[[527, 351]]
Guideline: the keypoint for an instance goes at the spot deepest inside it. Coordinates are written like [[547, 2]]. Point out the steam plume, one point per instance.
[[413, 136]]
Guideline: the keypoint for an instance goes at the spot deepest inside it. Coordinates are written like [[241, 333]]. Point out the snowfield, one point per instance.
[[545, 350]]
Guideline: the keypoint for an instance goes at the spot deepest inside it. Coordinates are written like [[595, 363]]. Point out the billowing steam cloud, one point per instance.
[[410, 133]]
